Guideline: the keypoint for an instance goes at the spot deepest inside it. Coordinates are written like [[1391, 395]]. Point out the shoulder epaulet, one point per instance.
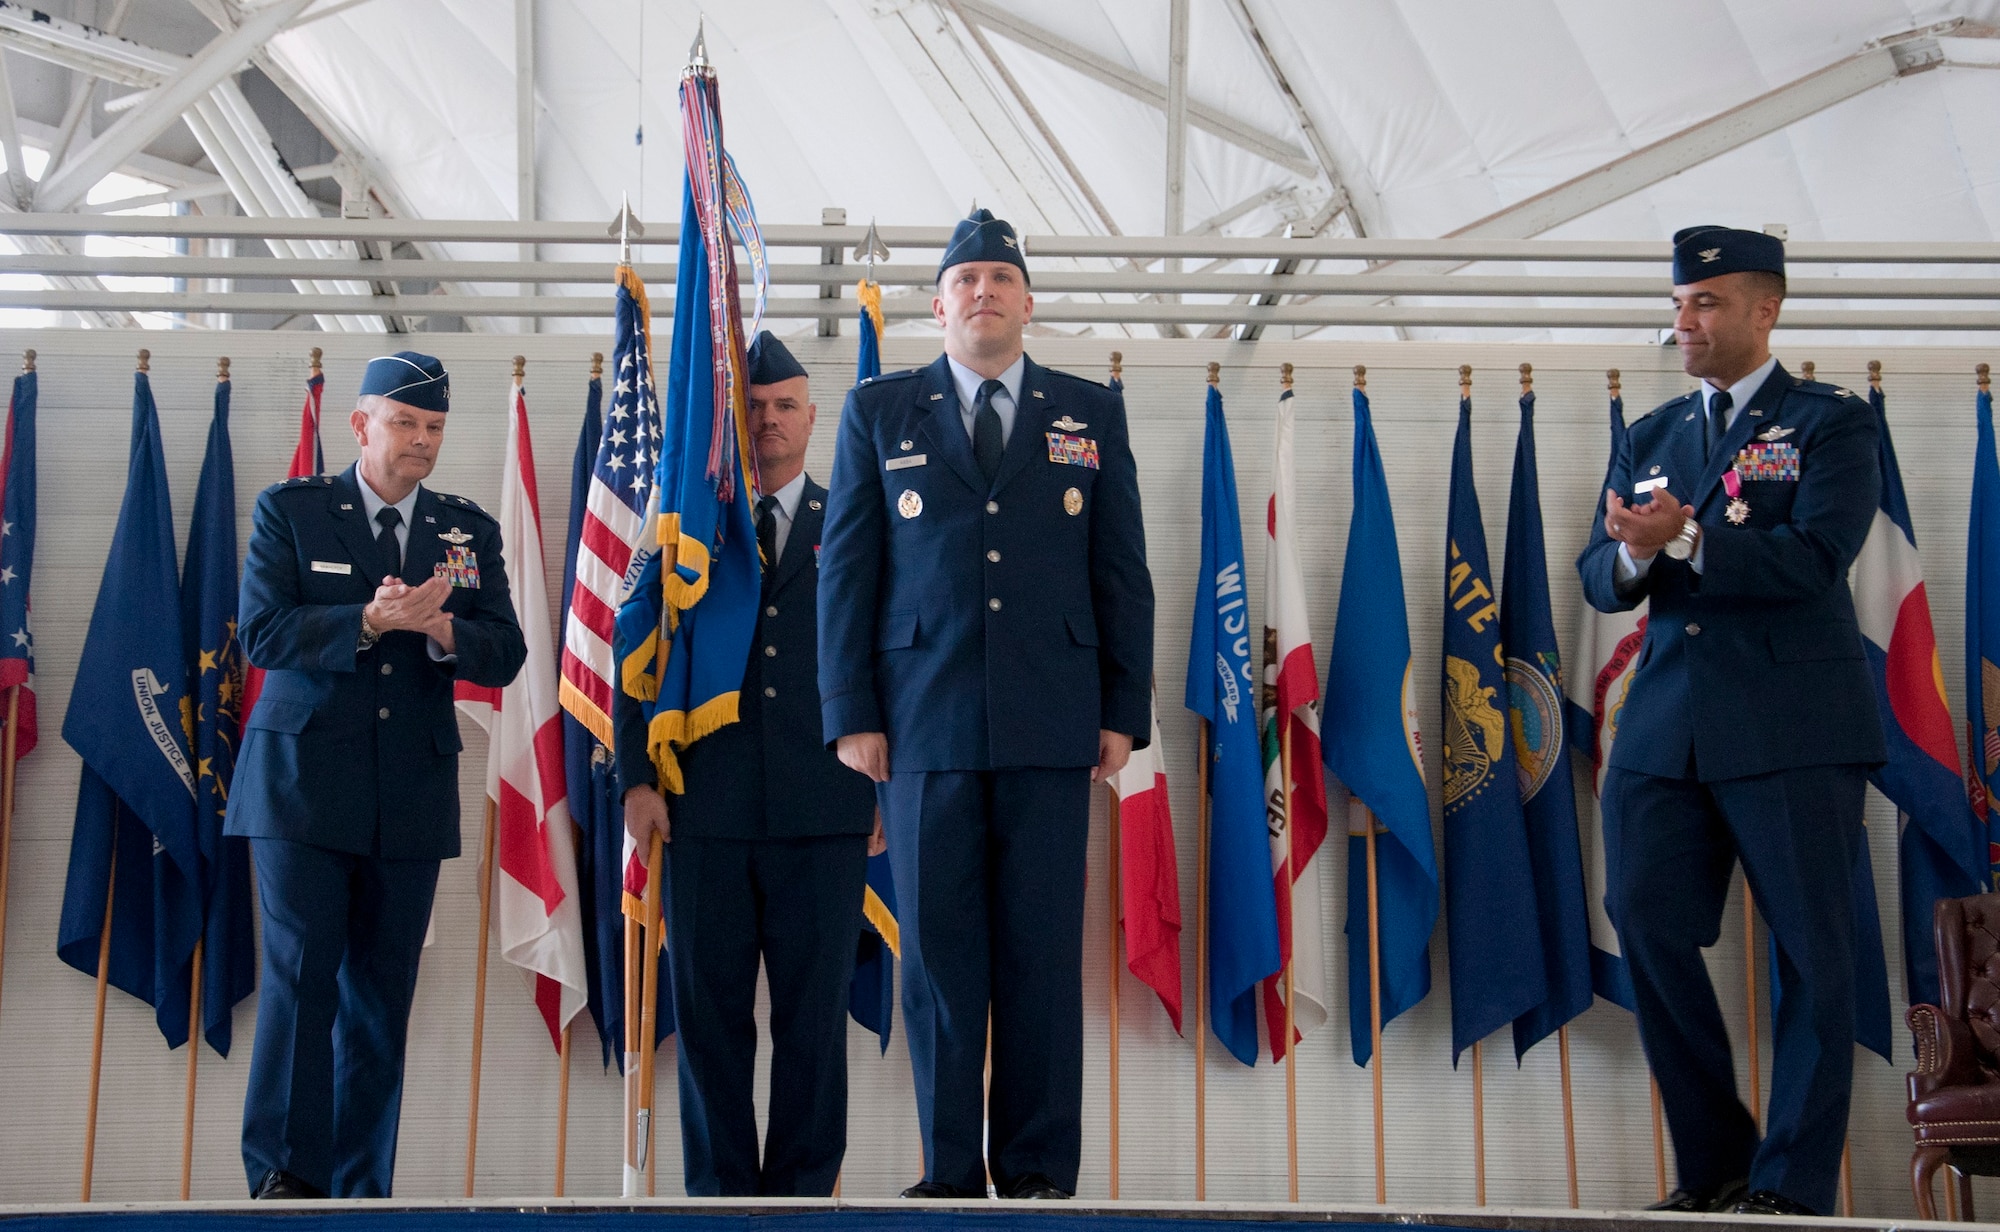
[[898, 375], [1081, 380], [302, 483], [1669, 402], [456, 503], [1824, 389]]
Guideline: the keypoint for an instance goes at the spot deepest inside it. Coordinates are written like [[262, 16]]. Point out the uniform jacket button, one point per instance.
[[770, 611], [383, 713], [769, 691], [994, 604], [992, 506], [993, 555], [1693, 629], [770, 652], [387, 668]]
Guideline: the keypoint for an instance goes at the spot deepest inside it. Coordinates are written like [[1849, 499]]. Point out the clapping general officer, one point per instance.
[[1749, 725], [365, 595], [986, 649]]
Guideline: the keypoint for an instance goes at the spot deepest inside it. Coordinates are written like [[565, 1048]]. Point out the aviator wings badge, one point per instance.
[[455, 536], [1774, 434]]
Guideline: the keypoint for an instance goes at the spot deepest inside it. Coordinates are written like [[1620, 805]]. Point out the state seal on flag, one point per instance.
[[1534, 710], [1473, 730]]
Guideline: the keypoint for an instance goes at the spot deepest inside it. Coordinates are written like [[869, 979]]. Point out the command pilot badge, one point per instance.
[[909, 504], [1072, 502], [454, 536], [460, 567]]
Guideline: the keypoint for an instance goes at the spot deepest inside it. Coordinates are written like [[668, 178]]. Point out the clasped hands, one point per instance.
[[419, 609], [1643, 529]]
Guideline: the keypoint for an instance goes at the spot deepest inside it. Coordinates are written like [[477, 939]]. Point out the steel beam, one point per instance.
[[1316, 315], [929, 48], [1135, 85], [67, 185]]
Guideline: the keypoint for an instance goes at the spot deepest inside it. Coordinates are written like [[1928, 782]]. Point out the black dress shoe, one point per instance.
[[938, 1189], [283, 1185], [1770, 1202], [1036, 1188], [1703, 1201]]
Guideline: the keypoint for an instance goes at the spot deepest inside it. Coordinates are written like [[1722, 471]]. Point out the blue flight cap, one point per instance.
[[409, 377], [771, 361], [982, 237], [1710, 252]]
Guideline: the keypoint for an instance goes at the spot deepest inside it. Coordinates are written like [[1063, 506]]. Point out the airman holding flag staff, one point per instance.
[[1750, 724], [986, 652], [766, 854]]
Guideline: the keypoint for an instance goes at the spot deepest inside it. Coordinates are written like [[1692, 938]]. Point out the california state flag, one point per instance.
[[1290, 704], [536, 916]]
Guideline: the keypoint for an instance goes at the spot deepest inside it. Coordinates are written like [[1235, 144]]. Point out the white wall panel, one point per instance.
[[45, 1008]]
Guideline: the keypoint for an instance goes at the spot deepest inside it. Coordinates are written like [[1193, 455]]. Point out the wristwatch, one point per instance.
[[1682, 545], [369, 634]]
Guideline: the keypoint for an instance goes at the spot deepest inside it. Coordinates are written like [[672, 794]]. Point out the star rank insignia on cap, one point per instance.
[[454, 536]]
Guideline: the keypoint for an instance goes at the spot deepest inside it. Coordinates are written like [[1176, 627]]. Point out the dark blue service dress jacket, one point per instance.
[[985, 627], [770, 774], [1754, 664], [348, 749]]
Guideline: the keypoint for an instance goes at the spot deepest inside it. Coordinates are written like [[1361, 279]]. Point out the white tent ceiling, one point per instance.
[[1429, 114]]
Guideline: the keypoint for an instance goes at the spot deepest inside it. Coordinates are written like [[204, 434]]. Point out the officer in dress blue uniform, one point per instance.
[[1749, 726], [365, 595], [767, 855], [986, 652]]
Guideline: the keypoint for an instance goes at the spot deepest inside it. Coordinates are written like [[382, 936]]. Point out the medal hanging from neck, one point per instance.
[[1738, 511]]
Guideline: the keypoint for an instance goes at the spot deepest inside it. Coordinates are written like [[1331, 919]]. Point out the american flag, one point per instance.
[[617, 541], [17, 558], [615, 544]]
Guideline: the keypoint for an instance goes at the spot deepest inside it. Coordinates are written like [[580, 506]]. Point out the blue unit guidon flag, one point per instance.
[[683, 635], [871, 993], [17, 563], [215, 684], [1375, 760], [1535, 714], [1491, 913], [1607, 648], [1982, 621], [129, 719], [1222, 689], [1942, 847]]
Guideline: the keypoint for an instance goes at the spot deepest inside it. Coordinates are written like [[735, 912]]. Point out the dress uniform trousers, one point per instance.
[[989, 868]]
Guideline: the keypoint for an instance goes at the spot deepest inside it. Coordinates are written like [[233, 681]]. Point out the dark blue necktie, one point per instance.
[[389, 518], [767, 536], [1718, 418], [987, 445]]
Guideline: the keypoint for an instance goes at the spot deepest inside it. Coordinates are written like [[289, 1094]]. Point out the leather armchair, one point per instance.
[[1955, 1090]]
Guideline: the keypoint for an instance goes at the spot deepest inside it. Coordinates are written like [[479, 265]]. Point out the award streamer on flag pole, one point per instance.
[[17, 649]]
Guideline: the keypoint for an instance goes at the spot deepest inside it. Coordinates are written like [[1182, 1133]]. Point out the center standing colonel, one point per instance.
[[986, 651]]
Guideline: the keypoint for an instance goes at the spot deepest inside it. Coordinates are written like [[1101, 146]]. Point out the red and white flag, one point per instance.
[[306, 460], [1148, 875], [1290, 703], [537, 917]]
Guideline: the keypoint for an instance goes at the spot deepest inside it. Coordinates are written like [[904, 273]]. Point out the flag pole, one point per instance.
[[1750, 1000], [9, 756], [1374, 965], [1847, 1179], [1375, 1012], [1659, 1143], [1478, 1080], [634, 1145], [649, 1008], [1112, 891], [562, 1114], [97, 1034], [194, 1054], [1291, 927], [479, 992], [1201, 968]]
